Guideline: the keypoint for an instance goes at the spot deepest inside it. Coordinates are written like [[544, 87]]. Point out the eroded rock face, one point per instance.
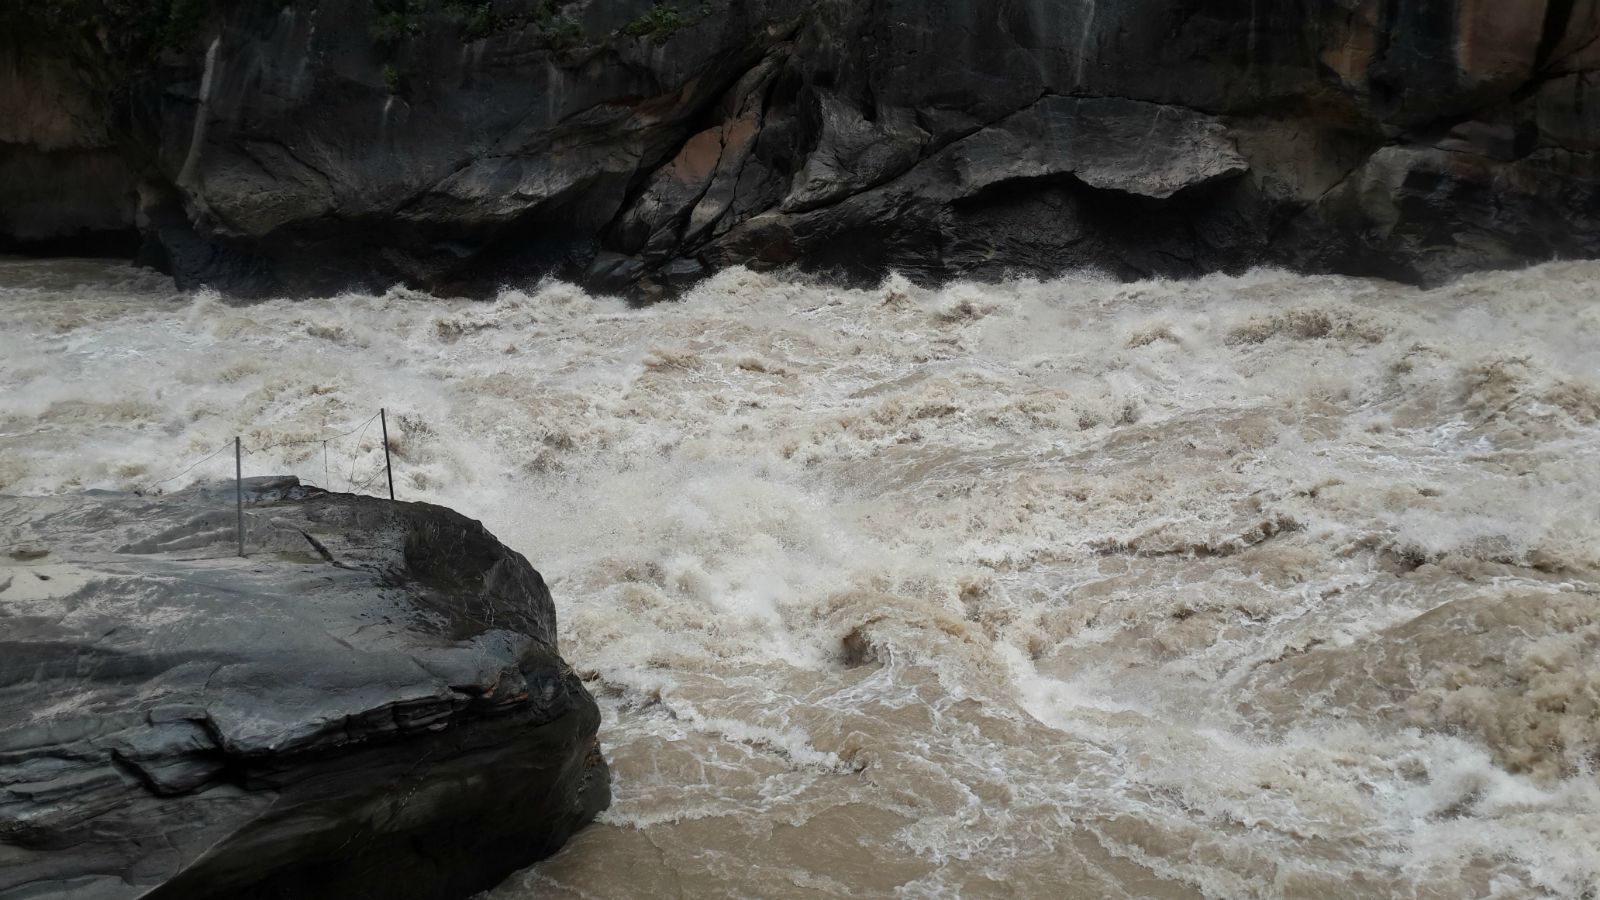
[[370, 705], [65, 184], [306, 147]]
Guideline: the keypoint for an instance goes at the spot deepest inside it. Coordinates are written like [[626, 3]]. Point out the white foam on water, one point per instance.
[[1266, 585]]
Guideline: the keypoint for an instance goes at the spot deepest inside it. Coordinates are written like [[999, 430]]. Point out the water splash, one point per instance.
[[1247, 586]]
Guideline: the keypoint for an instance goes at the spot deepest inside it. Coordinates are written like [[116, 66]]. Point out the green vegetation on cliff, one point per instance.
[[115, 38], [661, 21], [396, 21]]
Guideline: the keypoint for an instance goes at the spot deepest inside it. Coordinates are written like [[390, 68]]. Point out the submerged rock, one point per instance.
[[370, 704]]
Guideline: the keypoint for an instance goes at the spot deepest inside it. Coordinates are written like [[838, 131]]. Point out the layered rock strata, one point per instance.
[[310, 146], [369, 704]]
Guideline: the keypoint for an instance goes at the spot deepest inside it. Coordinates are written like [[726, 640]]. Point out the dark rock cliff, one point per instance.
[[369, 705], [313, 145]]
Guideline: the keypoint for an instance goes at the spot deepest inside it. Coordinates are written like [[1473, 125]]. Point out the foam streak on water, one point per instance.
[[1260, 586]]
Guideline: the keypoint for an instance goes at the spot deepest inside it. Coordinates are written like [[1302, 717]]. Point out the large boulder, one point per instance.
[[368, 704], [307, 146]]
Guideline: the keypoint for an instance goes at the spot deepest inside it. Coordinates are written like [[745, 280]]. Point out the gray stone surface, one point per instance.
[[64, 181], [306, 146], [370, 704]]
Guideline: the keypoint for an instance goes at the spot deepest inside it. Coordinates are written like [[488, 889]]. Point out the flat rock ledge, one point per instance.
[[369, 704]]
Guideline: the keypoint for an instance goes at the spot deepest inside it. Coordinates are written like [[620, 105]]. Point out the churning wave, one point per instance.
[[1268, 585]]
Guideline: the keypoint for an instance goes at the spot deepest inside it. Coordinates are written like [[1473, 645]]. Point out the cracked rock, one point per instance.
[[178, 722]]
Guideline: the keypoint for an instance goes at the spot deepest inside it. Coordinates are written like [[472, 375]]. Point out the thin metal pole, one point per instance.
[[384, 416], [238, 488]]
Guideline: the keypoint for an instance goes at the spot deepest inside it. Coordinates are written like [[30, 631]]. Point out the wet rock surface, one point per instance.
[[370, 704], [309, 147]]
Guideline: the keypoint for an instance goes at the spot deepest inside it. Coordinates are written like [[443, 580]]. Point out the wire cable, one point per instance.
[[194, 465], [288, 443], [351, 480], [368, 481], [327, 477]]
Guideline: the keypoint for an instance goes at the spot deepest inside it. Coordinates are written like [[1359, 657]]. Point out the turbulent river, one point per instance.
[[1248, 586]]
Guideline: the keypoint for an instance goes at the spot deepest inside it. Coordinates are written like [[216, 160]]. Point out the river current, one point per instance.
[[1256, 586]]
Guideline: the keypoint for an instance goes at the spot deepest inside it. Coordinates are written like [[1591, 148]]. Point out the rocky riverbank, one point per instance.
[[370, 704], [309, 146]]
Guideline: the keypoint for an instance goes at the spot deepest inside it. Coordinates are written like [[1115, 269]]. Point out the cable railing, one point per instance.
[[240, 451]]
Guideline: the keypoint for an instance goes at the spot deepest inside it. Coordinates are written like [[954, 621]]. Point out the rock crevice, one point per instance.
[[331, 148], [382, 713]]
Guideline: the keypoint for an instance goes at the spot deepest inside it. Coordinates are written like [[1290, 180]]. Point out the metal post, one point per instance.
[[383, 415], [238, 488]]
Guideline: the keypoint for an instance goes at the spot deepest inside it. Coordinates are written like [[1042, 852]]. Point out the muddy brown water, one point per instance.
[[1258, 586]]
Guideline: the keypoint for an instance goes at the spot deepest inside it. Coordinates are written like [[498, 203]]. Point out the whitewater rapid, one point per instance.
[[1258, 586]]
